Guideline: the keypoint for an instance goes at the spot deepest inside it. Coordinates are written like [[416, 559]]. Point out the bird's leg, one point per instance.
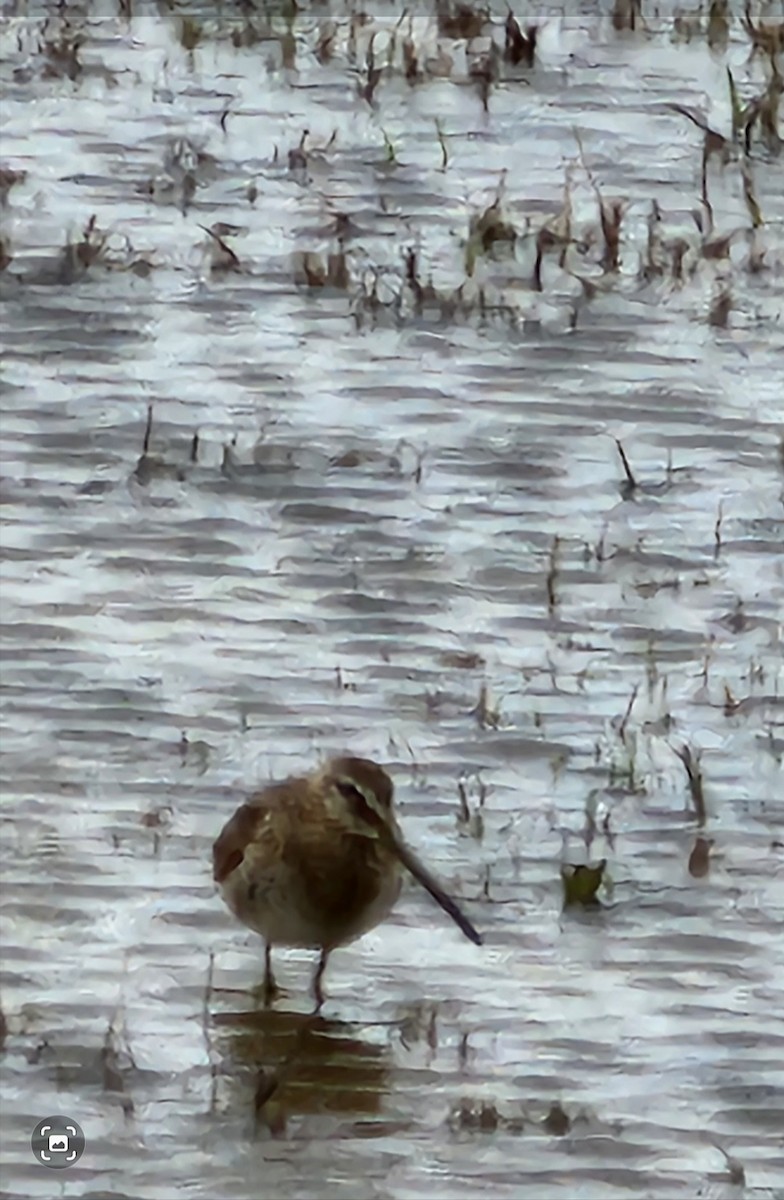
[[270, 986], [320, 969]]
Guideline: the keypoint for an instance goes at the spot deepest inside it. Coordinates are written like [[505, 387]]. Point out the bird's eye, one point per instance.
[[360, 806]]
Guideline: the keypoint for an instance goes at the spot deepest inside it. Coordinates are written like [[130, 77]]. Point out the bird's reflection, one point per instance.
[[284, 1064]]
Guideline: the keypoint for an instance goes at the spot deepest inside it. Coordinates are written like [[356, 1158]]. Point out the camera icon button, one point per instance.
[[57, 1142]]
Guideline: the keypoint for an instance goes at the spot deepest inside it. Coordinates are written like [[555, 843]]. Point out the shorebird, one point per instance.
[[317, 860]]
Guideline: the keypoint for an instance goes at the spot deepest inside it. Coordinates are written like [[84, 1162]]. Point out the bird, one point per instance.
[[317, 860]]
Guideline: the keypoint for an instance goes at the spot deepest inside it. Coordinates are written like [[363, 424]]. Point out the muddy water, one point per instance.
[[392, 517]]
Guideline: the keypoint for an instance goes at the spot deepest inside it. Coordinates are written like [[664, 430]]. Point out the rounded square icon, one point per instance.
[[57, 1142]]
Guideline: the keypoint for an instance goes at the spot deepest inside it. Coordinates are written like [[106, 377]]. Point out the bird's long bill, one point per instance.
[[423, 876]]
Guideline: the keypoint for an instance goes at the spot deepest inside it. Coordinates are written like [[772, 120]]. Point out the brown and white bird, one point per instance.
[[317, 860]]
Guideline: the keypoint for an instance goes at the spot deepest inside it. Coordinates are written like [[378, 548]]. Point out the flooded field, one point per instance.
[[404, 381]]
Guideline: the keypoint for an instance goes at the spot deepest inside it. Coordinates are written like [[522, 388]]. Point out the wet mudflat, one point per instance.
[[449, 432]]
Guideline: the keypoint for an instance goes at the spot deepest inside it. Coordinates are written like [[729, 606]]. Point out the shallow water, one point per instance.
[[403, 529]]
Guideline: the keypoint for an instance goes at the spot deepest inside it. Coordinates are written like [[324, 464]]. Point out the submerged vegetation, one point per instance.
[[597, 243]]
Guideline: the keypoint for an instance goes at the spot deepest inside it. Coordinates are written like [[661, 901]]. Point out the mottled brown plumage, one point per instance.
[[317, 860]]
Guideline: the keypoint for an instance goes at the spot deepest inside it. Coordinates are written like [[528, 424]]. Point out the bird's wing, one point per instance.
[[253, 830]]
